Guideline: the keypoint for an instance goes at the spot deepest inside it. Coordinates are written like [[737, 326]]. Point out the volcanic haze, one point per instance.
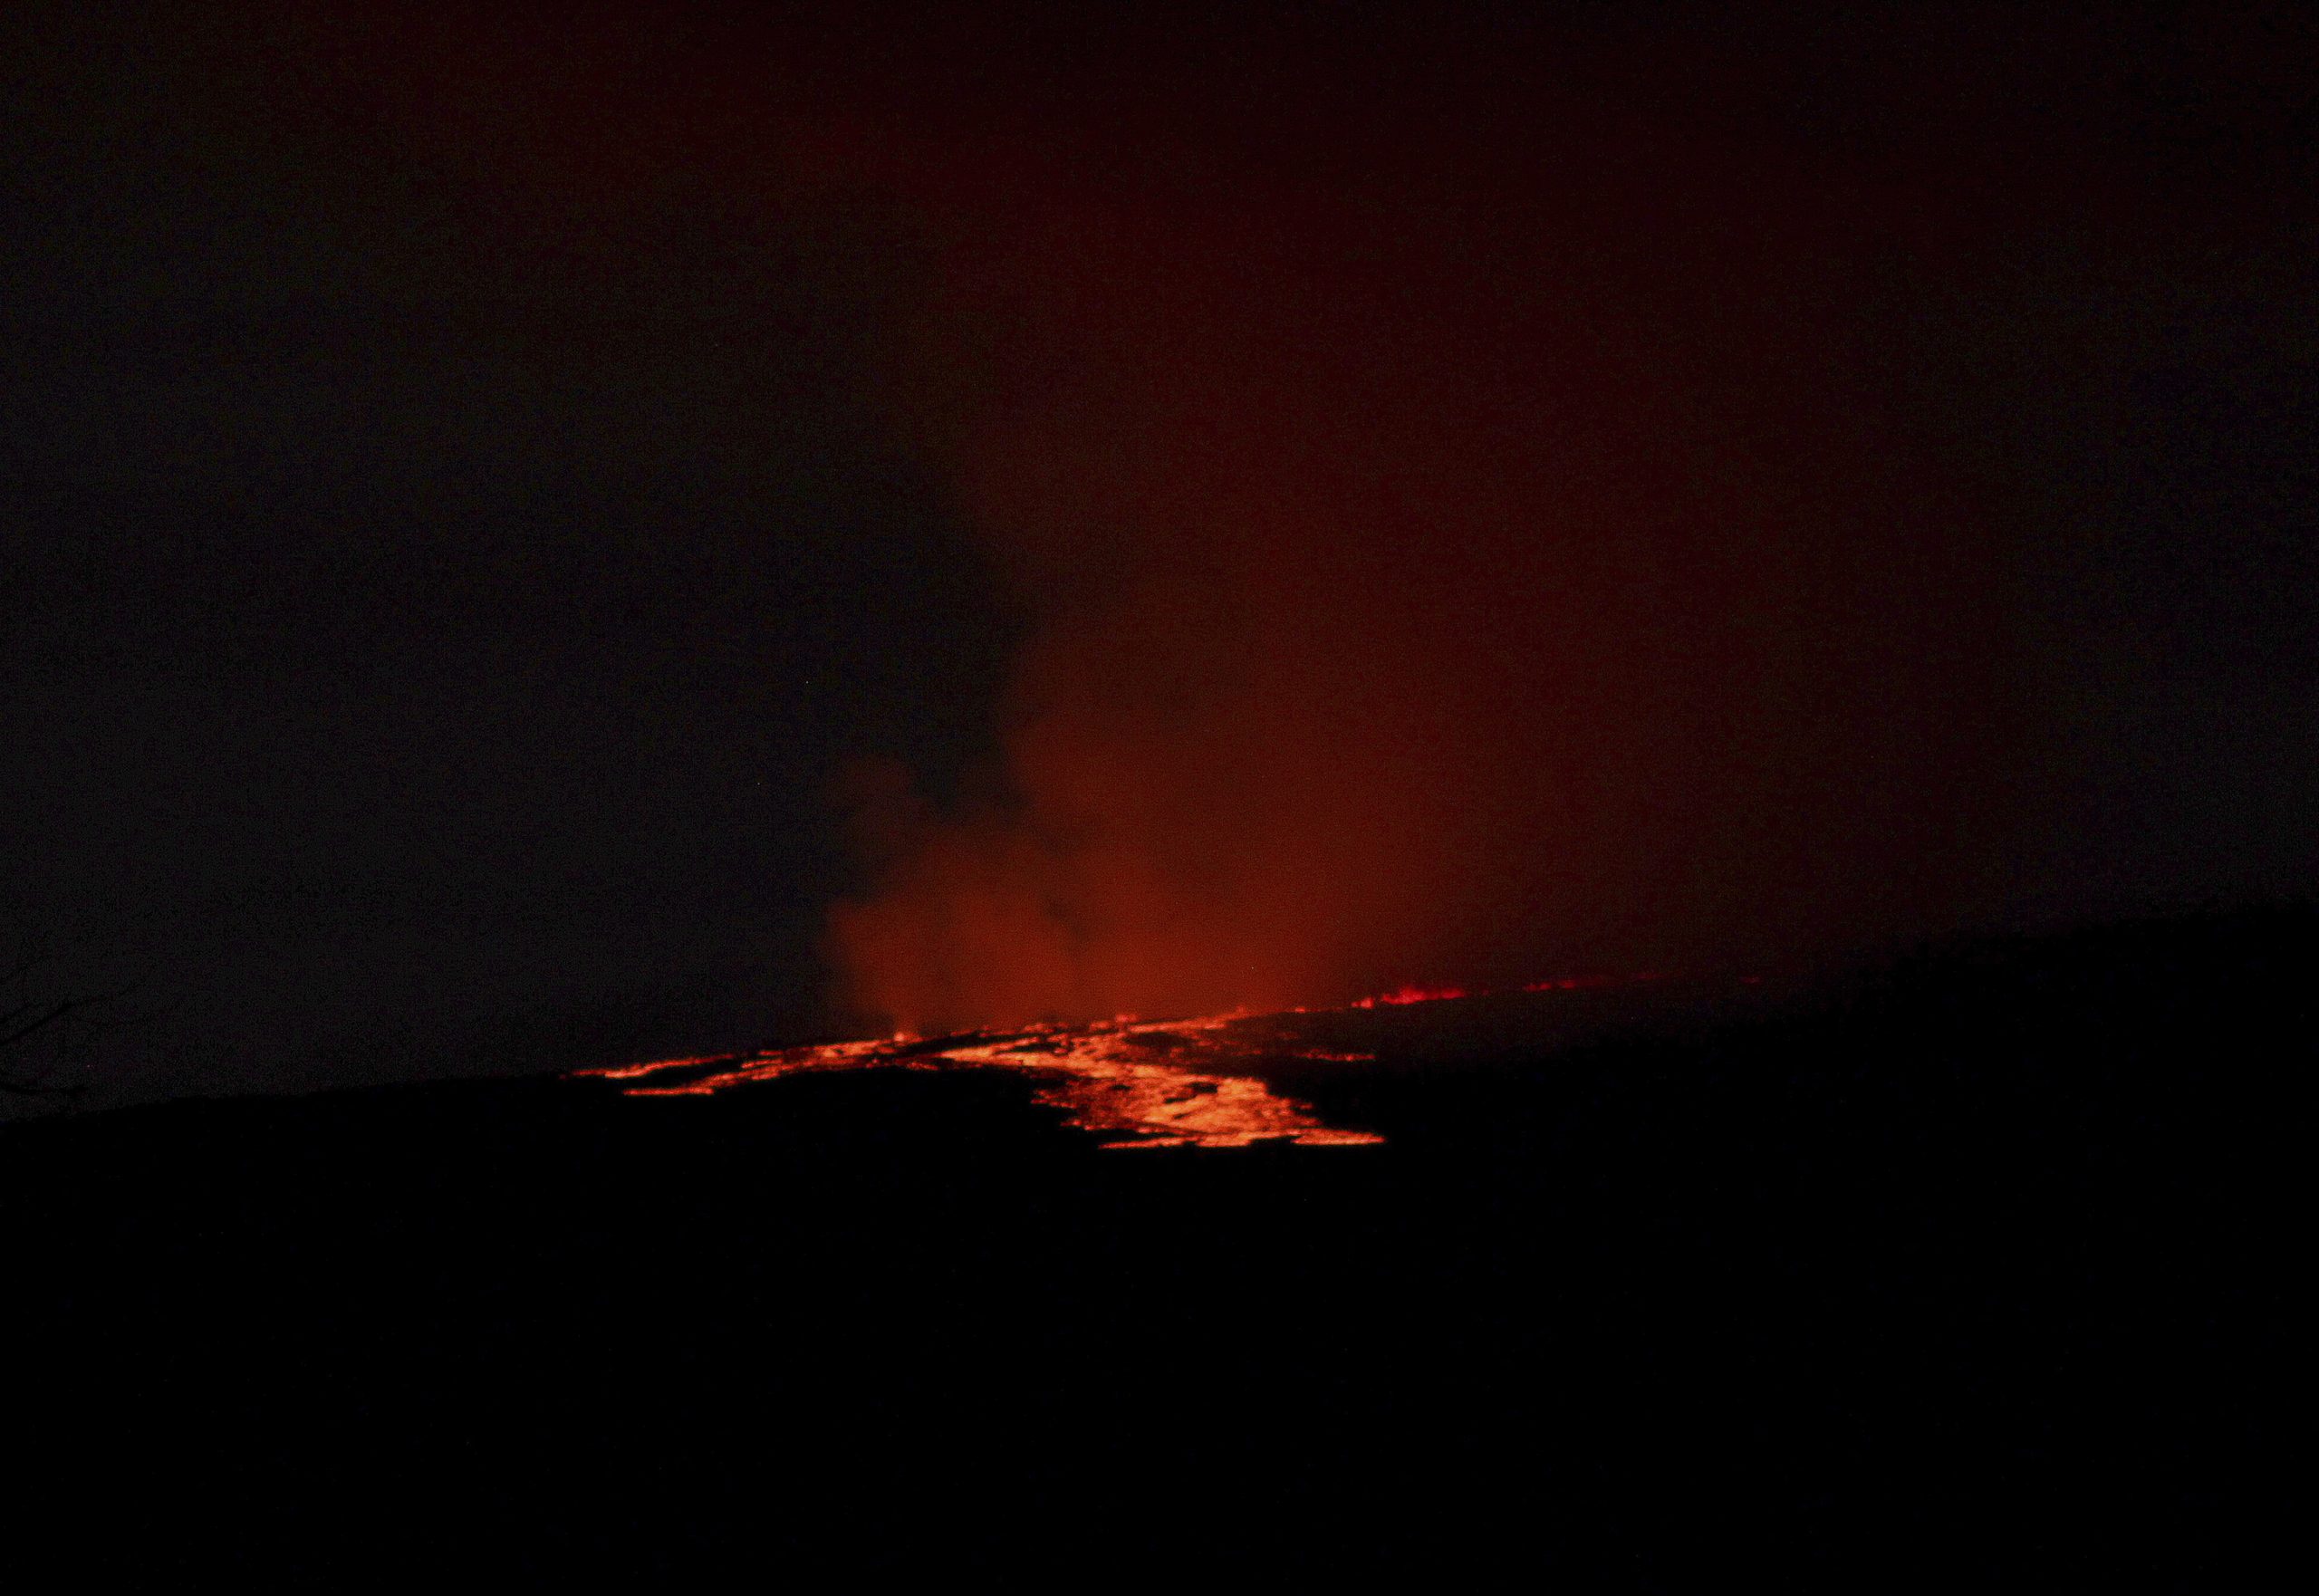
[[1466, 532]]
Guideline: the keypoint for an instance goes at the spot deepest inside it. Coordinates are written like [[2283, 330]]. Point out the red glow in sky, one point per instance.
[[1462, 531], [1467, 511]]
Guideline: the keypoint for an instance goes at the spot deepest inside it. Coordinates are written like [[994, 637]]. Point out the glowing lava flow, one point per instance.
[[1192, 1082], [1409, 995], [1138, 1083]]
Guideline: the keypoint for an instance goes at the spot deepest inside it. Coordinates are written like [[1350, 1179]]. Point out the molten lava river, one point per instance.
[[1137, 1083]]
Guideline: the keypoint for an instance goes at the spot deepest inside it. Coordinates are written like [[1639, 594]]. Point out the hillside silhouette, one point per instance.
[[1968, 1265]]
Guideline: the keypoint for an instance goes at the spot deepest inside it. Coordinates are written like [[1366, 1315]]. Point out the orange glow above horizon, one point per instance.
[[1409, 995]]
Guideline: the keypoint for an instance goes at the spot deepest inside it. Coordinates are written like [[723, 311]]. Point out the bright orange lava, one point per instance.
[[1136, 1082]]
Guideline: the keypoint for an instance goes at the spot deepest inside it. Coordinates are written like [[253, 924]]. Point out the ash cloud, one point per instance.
[[1467, 537], [1489, 500]]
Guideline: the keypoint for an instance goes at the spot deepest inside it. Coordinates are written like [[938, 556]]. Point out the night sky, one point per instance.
[[616, 530]]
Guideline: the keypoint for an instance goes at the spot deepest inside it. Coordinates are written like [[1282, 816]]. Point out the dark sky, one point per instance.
[[496, 509]]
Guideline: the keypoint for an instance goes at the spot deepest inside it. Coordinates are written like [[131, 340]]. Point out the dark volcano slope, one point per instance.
[[1972, 1265]]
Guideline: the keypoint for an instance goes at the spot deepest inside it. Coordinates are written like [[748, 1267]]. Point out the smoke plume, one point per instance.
[[1466, 535]]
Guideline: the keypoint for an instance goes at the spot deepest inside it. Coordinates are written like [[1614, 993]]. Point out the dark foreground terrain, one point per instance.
[[1970, 1267]]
